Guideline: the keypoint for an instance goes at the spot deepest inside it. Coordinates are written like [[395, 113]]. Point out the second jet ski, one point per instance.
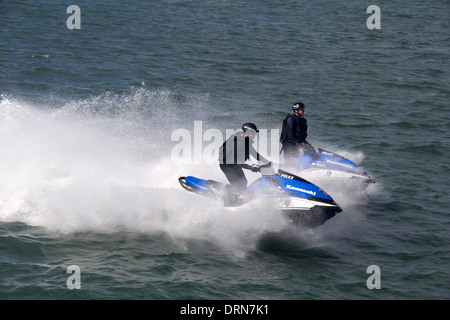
[[324, 167]]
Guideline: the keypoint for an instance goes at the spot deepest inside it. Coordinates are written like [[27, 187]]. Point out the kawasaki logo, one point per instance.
[[300, 189]]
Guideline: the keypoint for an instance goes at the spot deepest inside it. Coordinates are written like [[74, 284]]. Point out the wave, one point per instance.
[[103, 164]]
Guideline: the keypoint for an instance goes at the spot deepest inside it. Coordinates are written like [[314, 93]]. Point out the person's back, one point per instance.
[[233, 149]]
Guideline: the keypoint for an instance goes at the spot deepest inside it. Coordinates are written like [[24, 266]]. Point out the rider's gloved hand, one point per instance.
[[267, 165]]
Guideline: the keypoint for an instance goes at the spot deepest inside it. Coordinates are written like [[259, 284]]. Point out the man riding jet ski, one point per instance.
[[299, 200], [234, 156], [320, 166]]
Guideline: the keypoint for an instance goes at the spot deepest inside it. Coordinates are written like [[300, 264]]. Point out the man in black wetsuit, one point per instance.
[[234, 156], [294, 132]]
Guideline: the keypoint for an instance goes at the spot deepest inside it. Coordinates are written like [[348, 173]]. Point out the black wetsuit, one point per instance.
[[293, 136], [233, 154]]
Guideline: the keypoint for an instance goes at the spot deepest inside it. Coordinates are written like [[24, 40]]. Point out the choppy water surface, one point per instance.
[[86, 176]]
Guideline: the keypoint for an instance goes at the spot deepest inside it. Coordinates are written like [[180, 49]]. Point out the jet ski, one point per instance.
[[326, 166], [298, 200]]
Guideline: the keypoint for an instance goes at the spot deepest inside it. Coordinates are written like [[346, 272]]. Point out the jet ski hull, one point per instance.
[[312, 217], [299, 201]]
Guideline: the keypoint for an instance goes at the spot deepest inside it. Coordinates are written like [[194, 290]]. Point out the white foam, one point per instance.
[[103, 164], [72, 169]]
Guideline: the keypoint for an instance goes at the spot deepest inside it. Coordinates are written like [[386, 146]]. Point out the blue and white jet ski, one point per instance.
[[329, 167], [300, 201]]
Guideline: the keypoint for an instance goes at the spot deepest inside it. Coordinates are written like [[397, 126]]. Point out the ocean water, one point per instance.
[[87, 176]]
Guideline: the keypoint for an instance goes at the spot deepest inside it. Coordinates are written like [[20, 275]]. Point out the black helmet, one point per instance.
[[249, 126], [298, 105]]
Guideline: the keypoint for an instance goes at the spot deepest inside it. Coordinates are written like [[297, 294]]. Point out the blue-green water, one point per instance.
[[86, 118]]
